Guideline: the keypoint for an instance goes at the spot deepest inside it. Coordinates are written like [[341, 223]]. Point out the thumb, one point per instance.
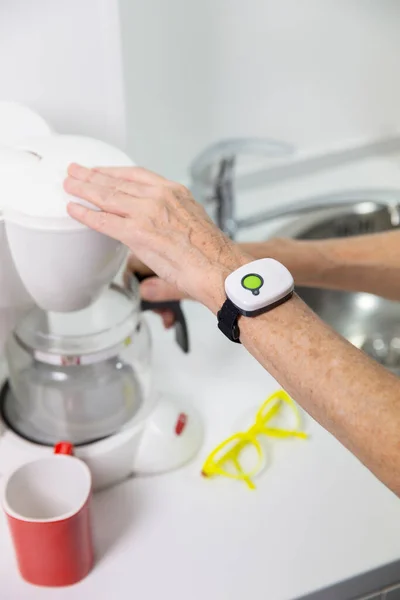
[[157, 290]]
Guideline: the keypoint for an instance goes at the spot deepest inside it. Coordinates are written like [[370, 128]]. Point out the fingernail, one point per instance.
[[75, 165], [69, 184], [72, 167]]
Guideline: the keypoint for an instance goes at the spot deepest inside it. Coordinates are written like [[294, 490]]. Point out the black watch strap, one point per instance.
[[228, 321]]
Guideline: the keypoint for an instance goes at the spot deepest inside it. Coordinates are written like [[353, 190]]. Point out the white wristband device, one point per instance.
[[252, 290]]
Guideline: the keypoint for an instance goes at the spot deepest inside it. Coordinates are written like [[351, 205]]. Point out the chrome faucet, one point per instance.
[[215, 182], [213, 174]]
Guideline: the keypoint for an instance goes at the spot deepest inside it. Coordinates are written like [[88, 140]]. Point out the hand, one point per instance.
[[154, 289], [161, 223]]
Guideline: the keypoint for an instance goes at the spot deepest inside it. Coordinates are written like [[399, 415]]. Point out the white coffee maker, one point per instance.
[[75, 349]]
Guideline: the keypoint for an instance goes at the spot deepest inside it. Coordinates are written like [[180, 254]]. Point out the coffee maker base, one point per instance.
[[168, 438]]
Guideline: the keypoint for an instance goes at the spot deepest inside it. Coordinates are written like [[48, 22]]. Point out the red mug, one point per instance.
[[47, 507]]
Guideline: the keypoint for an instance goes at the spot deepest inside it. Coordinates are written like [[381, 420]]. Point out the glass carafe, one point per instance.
[[79, 376]]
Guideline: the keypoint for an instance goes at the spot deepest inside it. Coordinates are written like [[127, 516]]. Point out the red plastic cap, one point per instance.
[[64, 448], [181, 423]]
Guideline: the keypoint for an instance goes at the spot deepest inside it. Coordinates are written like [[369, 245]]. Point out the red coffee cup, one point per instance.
[[47, 506]]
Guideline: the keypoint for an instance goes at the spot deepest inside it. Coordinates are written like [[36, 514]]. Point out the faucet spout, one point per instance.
[[213, 173]]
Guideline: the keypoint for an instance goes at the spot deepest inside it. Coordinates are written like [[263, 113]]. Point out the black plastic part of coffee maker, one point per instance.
[[181, 329]]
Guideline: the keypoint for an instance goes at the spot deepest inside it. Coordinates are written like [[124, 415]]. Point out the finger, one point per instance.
[[157, 290], [109, 200], [136, 266], [111, 225], [103, 180], [137, 174], [168, 317]]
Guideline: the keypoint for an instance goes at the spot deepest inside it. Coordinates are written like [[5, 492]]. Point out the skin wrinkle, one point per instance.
[[112, 201], [102, 219]]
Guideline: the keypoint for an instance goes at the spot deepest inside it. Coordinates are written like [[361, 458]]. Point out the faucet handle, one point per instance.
[[221, 157]]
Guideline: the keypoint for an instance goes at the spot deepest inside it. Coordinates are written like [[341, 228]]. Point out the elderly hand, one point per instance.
[[161, 223]]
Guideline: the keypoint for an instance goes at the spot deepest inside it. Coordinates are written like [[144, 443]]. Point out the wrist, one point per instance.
[[252, 290], [213, 281]]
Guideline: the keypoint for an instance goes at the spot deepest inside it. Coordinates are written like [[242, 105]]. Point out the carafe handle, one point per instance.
[[181, 329]]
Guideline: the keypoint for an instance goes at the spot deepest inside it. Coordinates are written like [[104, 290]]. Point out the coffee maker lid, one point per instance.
[[35, 197], [18, 121]]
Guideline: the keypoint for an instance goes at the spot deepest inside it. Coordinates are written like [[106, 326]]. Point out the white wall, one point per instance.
[[64, 60], [315, 72], [310, 71]]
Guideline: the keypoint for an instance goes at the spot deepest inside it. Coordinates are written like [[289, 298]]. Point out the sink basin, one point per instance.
[[367, 321]]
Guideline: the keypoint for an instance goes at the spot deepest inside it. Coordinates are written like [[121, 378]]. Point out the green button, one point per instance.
[[253, 283]]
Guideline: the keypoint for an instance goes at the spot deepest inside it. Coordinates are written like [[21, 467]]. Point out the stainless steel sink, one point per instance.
[[369, 322]]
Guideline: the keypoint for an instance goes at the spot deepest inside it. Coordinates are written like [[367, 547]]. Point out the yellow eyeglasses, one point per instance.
[[233, 448]]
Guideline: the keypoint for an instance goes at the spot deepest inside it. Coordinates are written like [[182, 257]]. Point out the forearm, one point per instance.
[[350, 395], [369, 263]]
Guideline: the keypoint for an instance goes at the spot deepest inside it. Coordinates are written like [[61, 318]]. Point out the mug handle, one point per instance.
[[64, 448], [181, 328]]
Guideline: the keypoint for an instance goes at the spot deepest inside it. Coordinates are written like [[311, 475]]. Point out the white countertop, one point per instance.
[[317, 515]]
